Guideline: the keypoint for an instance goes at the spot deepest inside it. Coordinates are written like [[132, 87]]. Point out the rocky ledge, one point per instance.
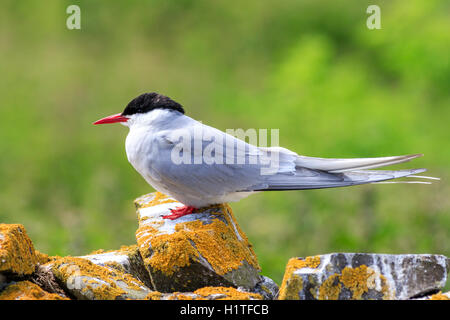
[[206, 256]]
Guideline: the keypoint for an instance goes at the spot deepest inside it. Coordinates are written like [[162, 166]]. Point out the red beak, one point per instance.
[[112, 119]]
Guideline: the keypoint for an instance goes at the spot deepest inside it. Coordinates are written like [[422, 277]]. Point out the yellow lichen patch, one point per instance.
[[330, 288], [43, 258], [228, 292], [115, 265], [183, 296], [26, 290], [358, 280], [206, 293], [16, 250], [154, 295], [126, 250], [101, 281], [292, 284], [98, 251], [439, 296], [159, 198], [170, 252], [218, 244]]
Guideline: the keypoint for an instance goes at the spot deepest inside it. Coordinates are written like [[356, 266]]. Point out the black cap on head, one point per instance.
[[149, 101]]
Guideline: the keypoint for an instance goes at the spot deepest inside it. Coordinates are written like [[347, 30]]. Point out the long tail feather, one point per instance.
[[313, 179], [318, 173], [424, 177], [417, 182], [342, 165]]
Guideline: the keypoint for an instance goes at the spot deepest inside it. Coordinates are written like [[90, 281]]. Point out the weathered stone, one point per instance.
[[342, 276], [17, 255], [206, 248], [127, 259], [26, 290], [207, 293], [267, 288], [88, 281]]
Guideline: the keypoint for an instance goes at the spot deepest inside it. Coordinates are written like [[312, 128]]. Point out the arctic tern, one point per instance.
[[199, 165]]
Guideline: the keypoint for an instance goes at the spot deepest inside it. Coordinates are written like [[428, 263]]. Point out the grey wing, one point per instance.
[[213, 162]]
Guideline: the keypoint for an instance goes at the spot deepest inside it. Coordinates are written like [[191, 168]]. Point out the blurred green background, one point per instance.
[[311, 68]]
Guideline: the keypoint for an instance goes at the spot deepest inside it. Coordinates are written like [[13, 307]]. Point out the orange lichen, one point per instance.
[[126, 250], [98, 251], [206, 293], [330, 288], [358, 280], [43, 258], [168, 252], [26, 290], [154, 295], [292, 283], [101, 281], [440, 296], [216, 241], [218, 244], [16, 250], [228, 292], [159, 198]]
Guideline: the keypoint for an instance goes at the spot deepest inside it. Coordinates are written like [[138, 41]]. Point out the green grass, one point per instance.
[[309, 68]]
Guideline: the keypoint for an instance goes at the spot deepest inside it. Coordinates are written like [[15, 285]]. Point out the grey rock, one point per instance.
[[207, 293], [206, 248], [267, 288], [127, 259], [345, 276], [87, 281]]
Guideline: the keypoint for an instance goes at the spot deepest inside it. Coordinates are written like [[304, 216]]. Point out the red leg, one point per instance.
[[179, 212]]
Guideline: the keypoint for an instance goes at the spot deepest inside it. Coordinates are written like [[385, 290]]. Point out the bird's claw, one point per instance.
[[179, 212]]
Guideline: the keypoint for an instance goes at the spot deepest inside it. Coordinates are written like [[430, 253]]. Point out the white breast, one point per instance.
[[141, 144]]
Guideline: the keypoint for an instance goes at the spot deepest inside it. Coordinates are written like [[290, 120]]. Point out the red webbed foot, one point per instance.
[[179, 212]]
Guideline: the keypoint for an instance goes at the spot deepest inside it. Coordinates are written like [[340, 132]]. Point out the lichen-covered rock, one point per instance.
[[440, 296], [26, 290], [207, 293], [17, 254], [43, 258], [206, 248], [88, 281], [45, 279], [342, 276], [436, 296], [267, 288], [127, 259]]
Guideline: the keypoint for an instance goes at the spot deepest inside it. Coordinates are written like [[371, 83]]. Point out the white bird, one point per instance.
[[199, 165]]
